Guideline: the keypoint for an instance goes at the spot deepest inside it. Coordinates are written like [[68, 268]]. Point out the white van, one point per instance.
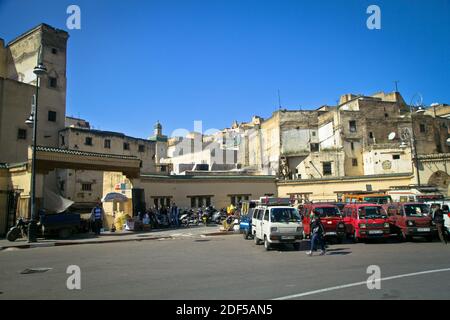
[[276, 225]]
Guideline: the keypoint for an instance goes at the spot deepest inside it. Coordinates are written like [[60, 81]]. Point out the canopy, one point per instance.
[[55, 203], [115, 196]]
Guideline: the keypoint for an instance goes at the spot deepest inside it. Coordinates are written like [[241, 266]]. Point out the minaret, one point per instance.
[[158, 129]]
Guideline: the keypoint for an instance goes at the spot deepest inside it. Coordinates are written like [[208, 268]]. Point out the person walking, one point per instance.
[[97, 218], [173, 215], [438, 218], [317, 235]]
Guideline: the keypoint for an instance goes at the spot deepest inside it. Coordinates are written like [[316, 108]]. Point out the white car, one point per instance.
[[276, 225]]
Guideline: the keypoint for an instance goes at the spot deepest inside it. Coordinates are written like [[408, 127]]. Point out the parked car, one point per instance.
[[331, 219], [366, 221], [277, 224], [410, 219]]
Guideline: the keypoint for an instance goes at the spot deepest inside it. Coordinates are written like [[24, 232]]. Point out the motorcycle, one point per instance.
[[218, 217], [20, 230]]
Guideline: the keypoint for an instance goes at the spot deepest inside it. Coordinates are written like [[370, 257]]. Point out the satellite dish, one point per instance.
[[392, 136]]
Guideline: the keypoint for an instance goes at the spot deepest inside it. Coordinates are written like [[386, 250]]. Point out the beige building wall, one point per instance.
[[4, 187], [325, 189], [22, 58], [15, 106], [85, 186], [180, 189], [387, 161]]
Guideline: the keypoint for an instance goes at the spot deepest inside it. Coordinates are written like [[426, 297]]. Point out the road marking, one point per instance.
[[355, 284]]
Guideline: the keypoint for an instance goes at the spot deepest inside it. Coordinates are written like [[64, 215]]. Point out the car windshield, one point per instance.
[[285, 215], [371, 212], [377, 200], [324, 212], [416, 210]]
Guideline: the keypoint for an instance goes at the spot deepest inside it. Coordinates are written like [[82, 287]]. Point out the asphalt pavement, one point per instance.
[[226, 267]]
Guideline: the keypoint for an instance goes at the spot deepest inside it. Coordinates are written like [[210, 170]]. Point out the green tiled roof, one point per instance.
[[84, 153], [188, 177], [158, 138]]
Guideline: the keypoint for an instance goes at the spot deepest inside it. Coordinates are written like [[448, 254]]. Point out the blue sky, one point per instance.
[[134, 62]]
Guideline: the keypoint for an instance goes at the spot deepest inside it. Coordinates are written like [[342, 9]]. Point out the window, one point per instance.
[[314, 147], [352, 125], [313, 133], [63, 140], [54, 51], [126, 146], [354, 162], [52, 82], [163, 168], [371, 135], [352, 146], [396, 157], [266, 215], [327, 168], [386, 115], [52, 116], [86, 187], [107, 144], [62, 185], [422, 128], [213, 152], [141, 148], [88, 141], [22, 134]]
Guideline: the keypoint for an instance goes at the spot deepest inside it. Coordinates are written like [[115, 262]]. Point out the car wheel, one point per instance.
[[13, 234], [267, 245], [64, 233]]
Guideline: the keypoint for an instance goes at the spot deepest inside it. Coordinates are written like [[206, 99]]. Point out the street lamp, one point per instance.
[[420, 110], [40, 70]]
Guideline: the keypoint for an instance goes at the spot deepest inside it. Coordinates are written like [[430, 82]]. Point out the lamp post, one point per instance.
[[420, 110], [40, 70]]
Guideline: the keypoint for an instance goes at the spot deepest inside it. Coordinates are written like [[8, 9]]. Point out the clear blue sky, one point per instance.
[[135, 62]]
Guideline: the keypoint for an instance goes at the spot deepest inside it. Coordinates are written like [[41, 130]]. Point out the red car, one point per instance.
[[331, 219], [366, 221], [410, 219]]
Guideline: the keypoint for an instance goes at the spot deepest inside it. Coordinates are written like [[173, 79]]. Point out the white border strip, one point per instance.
[[309, 293]]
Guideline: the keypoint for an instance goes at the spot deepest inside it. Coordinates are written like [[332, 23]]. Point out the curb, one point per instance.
[[61, 244]]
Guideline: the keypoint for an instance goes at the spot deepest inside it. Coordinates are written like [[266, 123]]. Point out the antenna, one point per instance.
[[279, 99], [396, 85]]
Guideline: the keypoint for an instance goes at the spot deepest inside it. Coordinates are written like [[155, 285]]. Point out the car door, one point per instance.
[[259, 230], [348, 220], [254, 219], [392, 212], [265, 224]]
